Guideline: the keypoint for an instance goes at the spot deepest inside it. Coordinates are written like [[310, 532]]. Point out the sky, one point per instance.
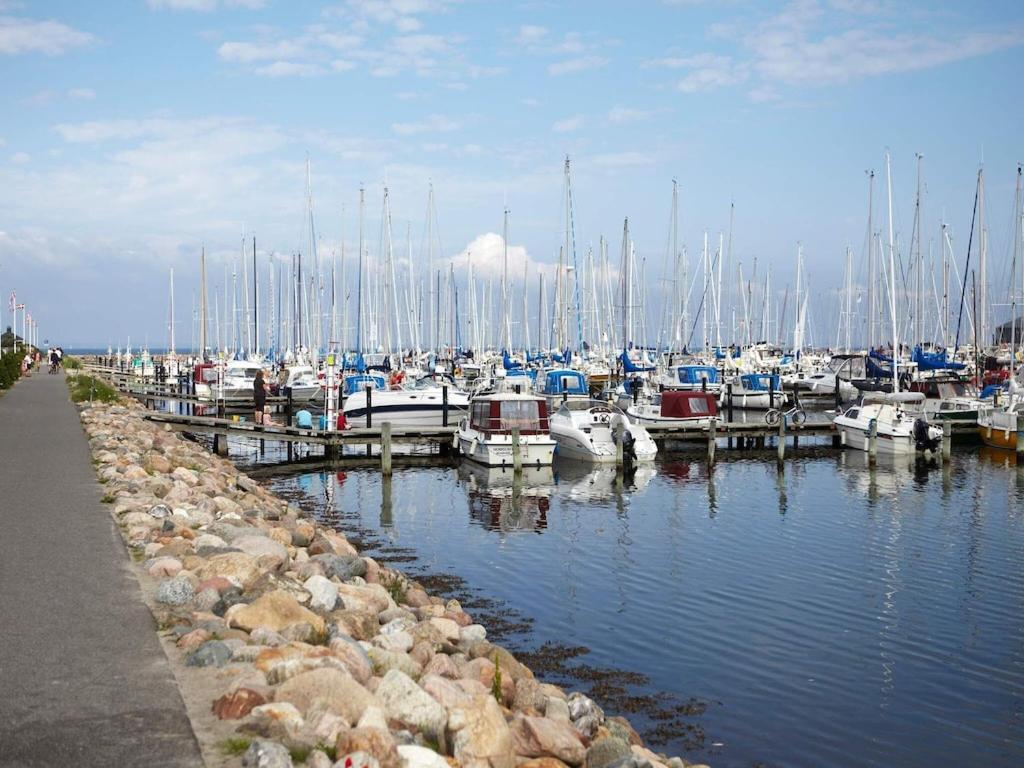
[[137, 132]]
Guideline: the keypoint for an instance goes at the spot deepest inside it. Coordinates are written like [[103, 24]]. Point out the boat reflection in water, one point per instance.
[[499, 500]]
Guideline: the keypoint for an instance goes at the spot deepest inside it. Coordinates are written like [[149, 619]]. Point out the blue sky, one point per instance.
[[134, 132]]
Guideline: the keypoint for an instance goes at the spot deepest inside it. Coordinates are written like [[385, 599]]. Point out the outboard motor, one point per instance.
[[628, 446], [922, 440]]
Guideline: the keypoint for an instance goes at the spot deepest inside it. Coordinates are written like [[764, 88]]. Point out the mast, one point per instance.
[[255, 300], [202, 303], [918, 304], [506, 327], [627, 305], [1013, 271], [170, 349], [892, 284], [872, 267], [981, 319], [359, 273]]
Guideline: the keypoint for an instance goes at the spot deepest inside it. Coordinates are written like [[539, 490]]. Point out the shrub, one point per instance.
[[90, 389]]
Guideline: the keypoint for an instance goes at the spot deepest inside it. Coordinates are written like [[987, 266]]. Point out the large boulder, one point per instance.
[[336, 691], [276, 611], [480, 737], [376, 742], [237, 567], [323, 593], [409, 704], [269, 553], [540, 737]]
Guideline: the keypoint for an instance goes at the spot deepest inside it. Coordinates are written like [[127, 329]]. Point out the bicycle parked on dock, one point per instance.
[[796, 414]]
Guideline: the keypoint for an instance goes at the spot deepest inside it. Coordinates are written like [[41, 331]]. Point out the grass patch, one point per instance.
[[236, 745], [396, 585], [88, 389], [71, 363], [107, 498]]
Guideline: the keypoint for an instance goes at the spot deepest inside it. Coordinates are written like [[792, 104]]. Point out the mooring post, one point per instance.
[[220, 445], [872, 441], [385, 448], [369, 405], [1020, 440], [782, 441], [620, 452], [728, 396], [517, 459], [288, 418], [947, 440], [444, 405], [712, 436]]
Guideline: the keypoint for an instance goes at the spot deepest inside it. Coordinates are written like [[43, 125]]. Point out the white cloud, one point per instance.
[[20, 35], [431, 124], [568, 124], [581, 64], [530, 34], [20, 158], [82, 93], [288, 69], [203, 5], [623, 115], [487, 254]]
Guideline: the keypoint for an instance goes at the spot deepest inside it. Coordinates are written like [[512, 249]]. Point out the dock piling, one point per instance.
[[712, 436], [728, 399], [385, 448], [873, 442], [1020, 440], [781, 447], [517, 459], [947, 441]]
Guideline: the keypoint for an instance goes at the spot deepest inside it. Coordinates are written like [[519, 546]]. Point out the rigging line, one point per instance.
[[700, 306], [967, 266]]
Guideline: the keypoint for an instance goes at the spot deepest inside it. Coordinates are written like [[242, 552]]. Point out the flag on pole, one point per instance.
[[14, 301]]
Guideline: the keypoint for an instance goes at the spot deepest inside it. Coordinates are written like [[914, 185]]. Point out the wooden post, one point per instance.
[[220, 445], [712, 435], [782, 441], [872, 441], [288, 419], [728, 396], [1020, 440], [947, 440], [517, 459], [444, 405], [620, 453], [385, 448], [369, 406]]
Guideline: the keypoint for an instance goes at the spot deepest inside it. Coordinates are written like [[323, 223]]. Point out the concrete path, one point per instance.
[[83, 679]]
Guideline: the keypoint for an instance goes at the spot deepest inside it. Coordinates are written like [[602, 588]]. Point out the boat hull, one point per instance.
[[998, 438], [496, 451]]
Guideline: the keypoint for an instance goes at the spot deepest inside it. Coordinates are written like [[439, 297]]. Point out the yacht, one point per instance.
[[691, 377], [485, 434], [426, 404], [589, 430], [303, 381], [997, 427], [898, 431], [755, 391]]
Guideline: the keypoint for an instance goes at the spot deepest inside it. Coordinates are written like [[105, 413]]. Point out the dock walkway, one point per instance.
[[83, 678]]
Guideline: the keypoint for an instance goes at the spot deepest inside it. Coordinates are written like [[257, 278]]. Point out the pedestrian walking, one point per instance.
[[259, 396]]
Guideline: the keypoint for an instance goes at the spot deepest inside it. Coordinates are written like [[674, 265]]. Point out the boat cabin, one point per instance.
[[696, 375], [492, 414], [358, 382], [563, 381], [688, 405], [205, 373], [761, 382]]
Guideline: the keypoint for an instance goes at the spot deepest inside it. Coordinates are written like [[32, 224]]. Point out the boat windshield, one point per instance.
[[524, 414]]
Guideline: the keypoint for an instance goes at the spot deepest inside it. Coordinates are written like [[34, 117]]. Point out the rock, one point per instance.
[[187, 476], [213, 653], [448, 628], [192, 640], [209, 540], [397, 612], [400, 641], [265, 754], [176, 591], [373, 717], [528, 696], [384, 661], [269, 553], [408, 703], [557, 709], [323, 593], [541, 762], [480, 736], [264, 636], [605, 751], [206, 599], [159, 511], [370, 597], [342, 567], [445, 692], [441, 665], [416, 597], [336, 690], [580, 706], [540, 737], [237, 704], [621, 728], [362, 624], [352, 655], [421, 757], [375, 742], [474, 633], [237, 567], [318, 759], [163, 567], [399, 624], [276, 611], [270, 581]]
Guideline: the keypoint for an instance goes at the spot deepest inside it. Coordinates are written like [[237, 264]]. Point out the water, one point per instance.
[[831, 615]]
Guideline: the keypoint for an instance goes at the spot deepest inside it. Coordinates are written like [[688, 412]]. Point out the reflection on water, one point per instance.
[[833, 613]]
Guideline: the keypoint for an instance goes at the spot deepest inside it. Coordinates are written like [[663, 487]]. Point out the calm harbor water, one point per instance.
[[830, 615]]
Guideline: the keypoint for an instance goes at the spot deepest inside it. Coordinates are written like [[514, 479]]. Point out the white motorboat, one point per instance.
[[485, 435], [589, 430], [690, 378], [897, 430], [303, 381], [678, 408], [239, 376], [424, 405], [756, 391]]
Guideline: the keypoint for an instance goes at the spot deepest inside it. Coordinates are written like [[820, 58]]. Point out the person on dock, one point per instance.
[[259, 395]]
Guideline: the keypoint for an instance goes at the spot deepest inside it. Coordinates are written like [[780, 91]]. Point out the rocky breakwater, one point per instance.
[[318, 654]]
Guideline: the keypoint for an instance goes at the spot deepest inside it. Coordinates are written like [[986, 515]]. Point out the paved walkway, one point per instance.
[[83, 679]]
